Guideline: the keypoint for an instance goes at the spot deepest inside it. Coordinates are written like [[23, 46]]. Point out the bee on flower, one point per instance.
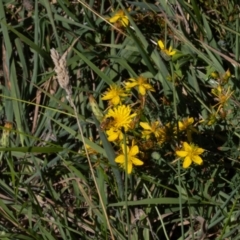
[[118, 118]]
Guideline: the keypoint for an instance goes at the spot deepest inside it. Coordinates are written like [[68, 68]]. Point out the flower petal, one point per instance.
[[112, 134], [187, 162], [106, 97], [172, 53], [198, 160], [134, 150], [161, 44], [113, 137], [123, 148], [146, 134], [114, 18], [136, 161], [142, 90], [130, 84], [181, 153], [187, 147], [124, 21], [129, 167], [116, 100], [148, 87], [199, 151], [190, 120], [145, 125], [120, 159], [180, 125]]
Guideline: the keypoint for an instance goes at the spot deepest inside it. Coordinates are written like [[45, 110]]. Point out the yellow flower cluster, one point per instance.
[[162, 134], [222, 96], [115, 94], [221, 93], [119, 118]]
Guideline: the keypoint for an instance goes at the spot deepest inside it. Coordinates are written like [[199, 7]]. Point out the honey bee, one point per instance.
[[107, 123]]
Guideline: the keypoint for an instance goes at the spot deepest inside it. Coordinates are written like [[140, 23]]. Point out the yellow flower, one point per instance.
[[226, 76], [154, 128], [130, 157], [190, 153], [168, 52], [114, 134], [185, 124], [212, 119], [120, 18], [214, 75], [121, 116], [114, 94], [141, 83], [166, 133], [222, 96]]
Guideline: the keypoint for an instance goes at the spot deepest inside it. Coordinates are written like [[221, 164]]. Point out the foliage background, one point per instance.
[[48, 189]]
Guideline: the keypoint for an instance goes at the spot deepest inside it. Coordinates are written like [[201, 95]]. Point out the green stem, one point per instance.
[[126, 183]]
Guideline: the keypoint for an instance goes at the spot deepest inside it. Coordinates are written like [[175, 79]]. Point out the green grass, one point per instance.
[[51, 188]]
